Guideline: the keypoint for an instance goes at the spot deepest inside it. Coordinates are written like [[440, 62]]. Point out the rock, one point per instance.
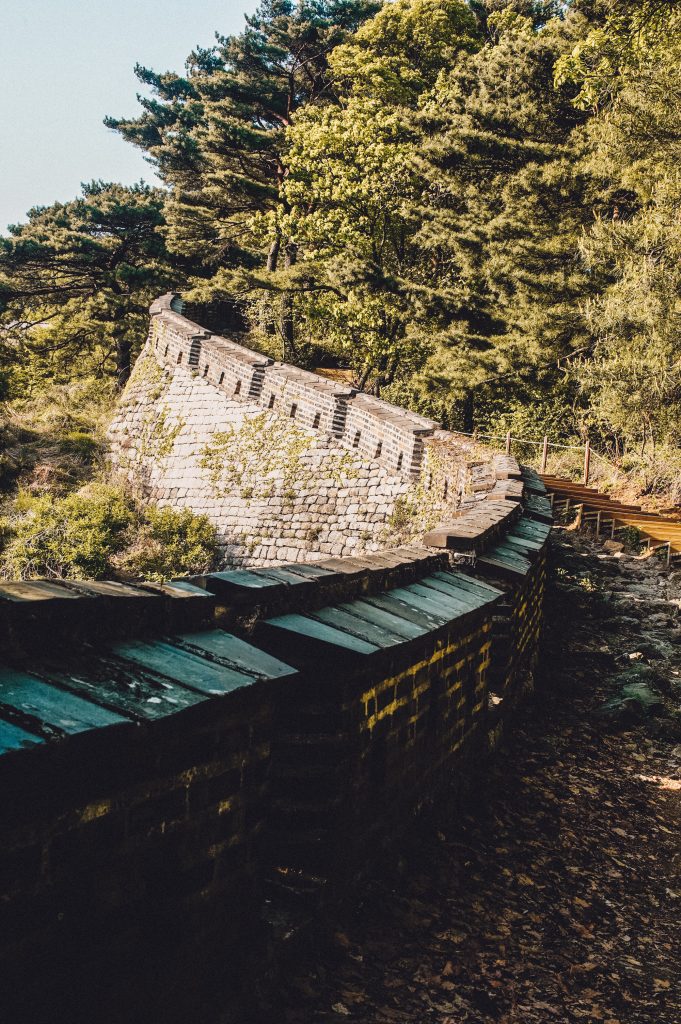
[[640, 674], [613, 547], [621, 622], [654, 650], [659, 619], [643, 694]]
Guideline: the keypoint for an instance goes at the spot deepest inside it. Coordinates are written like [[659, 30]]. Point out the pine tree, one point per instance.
[[353, 190], [77, 278], [504, 207], [633, 382], [217, 135]]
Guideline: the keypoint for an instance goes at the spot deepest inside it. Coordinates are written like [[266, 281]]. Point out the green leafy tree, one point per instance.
[[170, 542], [627, 35], [352, 191], [97, 532], [397, 55], [74, 536], [217, 135], [505, 208], [77, 278], [633, 382]]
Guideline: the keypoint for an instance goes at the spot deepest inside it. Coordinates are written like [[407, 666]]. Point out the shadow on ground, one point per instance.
[[557, 895]]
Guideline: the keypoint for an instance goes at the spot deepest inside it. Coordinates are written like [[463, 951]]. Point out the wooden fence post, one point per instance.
[[587, 462], [508, 442], [544, 453]]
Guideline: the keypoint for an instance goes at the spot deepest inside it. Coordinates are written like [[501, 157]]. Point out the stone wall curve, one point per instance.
[[288, 465]]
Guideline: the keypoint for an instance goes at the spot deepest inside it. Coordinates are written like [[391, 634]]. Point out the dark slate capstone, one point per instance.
[[36, 590], [392, 604], [188, 669], [51, 706], [240, 585], [386, 619], [235, 653], [14, 738], [362, 628], [124, 686], [305, 626]]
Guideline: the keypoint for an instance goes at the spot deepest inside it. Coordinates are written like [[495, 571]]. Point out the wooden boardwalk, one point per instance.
[[610, 515]]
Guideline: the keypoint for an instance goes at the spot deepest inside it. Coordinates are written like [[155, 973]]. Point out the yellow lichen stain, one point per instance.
[[481, 651], [94, 811]]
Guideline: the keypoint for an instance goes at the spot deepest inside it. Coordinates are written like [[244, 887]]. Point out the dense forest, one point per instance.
[[474, 208]]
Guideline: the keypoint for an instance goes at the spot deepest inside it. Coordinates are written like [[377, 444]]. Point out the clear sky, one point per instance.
[[64, 65]]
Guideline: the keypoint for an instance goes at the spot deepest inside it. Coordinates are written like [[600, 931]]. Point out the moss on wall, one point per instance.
[[264, 455]]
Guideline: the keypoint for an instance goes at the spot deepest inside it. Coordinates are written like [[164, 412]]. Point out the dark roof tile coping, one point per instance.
[[506, 467], [476, 529], [402, 419], [186, 327], [217, 344], [393, 413]]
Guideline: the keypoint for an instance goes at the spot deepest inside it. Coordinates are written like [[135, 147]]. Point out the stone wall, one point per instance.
[[189, 772], [288, 465]]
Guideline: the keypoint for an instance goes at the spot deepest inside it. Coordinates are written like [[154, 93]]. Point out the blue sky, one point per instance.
[[64, 65]]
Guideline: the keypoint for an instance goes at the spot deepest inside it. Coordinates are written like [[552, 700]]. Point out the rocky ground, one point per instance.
[[557, 897]]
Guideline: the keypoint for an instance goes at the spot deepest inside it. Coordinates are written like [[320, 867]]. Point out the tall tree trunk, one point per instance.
[[287, 322], [468, 411], [123, 354], [273, 254], [272, 264]]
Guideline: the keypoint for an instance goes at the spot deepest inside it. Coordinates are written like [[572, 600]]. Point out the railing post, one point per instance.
[[587, 462], [544, 453], [508, 442]]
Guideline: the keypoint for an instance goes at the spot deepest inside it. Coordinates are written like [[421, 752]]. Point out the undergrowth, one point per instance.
[[62, 517]]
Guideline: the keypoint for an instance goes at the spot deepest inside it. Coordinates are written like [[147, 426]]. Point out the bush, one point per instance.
[[74, 537], [81, 445], [98, 532], [171, 542]]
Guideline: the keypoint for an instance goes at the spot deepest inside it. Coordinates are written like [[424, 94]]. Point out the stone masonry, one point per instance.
[[288, 465]]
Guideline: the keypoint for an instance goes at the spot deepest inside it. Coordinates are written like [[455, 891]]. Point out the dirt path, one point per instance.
[[558, 897]]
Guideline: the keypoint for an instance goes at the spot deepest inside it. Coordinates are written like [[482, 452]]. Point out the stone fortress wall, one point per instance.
[[190, 773], [289, 466]]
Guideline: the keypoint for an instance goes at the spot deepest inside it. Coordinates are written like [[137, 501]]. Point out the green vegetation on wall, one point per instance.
[[264, 455], [98, 532]]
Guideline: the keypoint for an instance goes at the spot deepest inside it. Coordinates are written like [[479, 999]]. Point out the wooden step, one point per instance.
[[650, 524]]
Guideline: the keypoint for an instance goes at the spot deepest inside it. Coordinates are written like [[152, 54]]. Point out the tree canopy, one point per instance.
[[472, 206], [77, 278]]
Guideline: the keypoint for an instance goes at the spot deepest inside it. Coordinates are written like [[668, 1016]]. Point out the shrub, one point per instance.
[[80, 444], [75, 536], [98, 532], [171, 542]]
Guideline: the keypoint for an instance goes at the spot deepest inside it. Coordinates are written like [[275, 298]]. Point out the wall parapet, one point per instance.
[[385, 433], [175, 757], [286, 464]]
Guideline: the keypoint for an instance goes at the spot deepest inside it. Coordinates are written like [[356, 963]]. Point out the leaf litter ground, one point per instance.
[[556, 897]]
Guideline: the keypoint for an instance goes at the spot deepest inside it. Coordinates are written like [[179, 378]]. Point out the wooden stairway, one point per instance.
[[605, 512]]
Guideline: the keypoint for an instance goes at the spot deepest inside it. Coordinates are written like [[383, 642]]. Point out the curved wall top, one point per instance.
[[379, 430], [290, 466]]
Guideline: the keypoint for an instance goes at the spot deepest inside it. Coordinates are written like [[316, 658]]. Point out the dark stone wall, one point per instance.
[[180, 766]]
